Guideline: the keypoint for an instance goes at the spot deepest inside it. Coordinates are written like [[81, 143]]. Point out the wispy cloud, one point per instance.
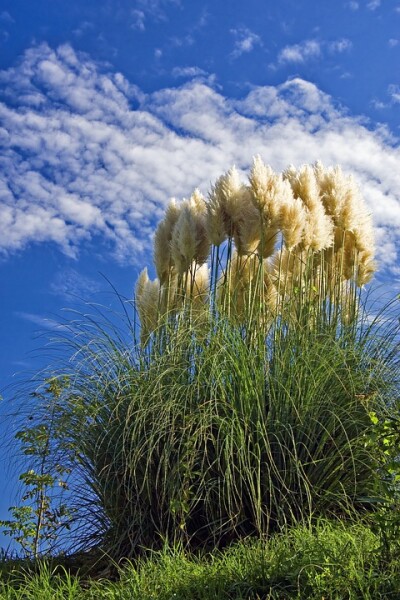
[[138, 20], [245, 41], [312, 49], [6, 17], [394, 93], [353, 5], [40, 321], [299, 53], [339, 46], [373, 4], [83, 28], [87, 155], [392, 98], [393, 42], [189, 72], [72, 285], [156, 8], [150, 10], [184, 40]]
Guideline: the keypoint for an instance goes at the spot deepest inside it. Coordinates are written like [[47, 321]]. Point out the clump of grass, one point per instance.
[[246, 406]]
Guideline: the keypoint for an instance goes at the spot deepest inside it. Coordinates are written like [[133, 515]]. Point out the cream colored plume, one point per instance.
[[292, 222], [215, 223], [318, 226], [269, 237], [226, 193], [189, 237], [304, 185], [231, 213], [147, 295], [162, 242], [269, 190], [183, 243], [342, 199], [366, 267], [353, 223], [203, 243], [246, 223]]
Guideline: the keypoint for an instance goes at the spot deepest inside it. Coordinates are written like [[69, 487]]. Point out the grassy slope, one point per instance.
[[332, 561]]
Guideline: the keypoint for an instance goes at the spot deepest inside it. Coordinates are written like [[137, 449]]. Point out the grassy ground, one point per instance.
[[334, 561]]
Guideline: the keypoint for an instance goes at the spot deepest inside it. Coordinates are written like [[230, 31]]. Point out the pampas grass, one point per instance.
[[246, 406]]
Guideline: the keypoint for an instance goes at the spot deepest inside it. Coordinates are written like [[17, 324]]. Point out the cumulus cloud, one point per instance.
[[86, 156], [245, 41]]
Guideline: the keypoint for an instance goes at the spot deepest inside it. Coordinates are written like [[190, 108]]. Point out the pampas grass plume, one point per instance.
[[318, 226], [190, 241], [246, 223], [292, 222], [202, 240], [147, 294], [162, 241], [183, 243], [269, 190]]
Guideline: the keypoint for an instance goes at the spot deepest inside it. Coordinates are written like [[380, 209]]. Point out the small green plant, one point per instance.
[[38, 521], [385, 440]]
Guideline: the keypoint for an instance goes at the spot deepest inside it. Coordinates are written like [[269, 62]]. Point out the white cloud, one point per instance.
[[394, 92], [70, 284], [188, 72], [312, 49], [40, 321], [341, 45], [353, 5], [86, 155], [6, 17], [299, 53], [155, 8], [83, 28], [245, 41], [139, 18], [393, 42], [373, 4], [185, 40]]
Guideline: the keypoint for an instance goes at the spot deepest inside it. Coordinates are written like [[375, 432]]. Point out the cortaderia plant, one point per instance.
[[246, 404]]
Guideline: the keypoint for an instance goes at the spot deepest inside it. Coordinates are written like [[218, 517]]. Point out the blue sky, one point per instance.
[[110, 107]]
